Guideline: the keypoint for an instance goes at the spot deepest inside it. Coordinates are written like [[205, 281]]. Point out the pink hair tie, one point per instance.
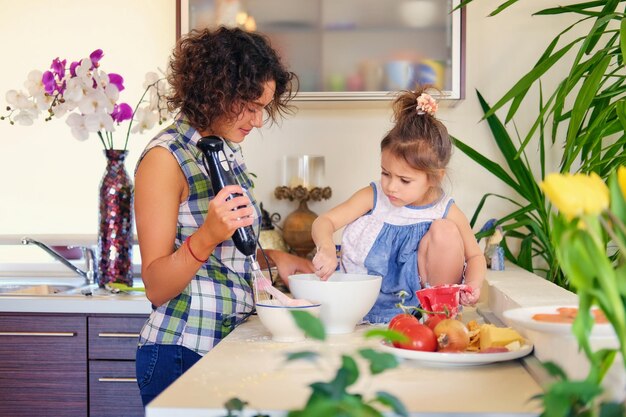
[[426, 104]]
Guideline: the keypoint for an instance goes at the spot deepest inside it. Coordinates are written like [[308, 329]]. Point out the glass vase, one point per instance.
[[115, 236]]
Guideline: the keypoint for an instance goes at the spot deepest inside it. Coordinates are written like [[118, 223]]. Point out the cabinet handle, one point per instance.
[[117, 379], [39, 334], [129, 335]]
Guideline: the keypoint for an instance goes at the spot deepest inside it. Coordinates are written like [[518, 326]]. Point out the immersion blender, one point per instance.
[[222, 175]]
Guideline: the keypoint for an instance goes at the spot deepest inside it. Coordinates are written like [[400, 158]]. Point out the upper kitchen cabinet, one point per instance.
[[350, 49]]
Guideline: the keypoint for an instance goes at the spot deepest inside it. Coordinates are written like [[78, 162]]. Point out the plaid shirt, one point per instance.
[[220, 294]]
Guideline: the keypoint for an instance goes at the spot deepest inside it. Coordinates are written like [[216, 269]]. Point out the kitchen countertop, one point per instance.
[[98, 304], [249, 365]]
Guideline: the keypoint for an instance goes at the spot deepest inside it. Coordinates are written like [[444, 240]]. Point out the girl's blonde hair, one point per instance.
[[418, 136]]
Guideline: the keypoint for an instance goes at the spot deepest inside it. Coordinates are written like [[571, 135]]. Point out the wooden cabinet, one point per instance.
[[350, 49], [43, 365], [69, 365], [113, 390]]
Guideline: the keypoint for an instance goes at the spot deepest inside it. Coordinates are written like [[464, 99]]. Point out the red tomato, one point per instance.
[[433, 320], [400, 319], [420, 337]]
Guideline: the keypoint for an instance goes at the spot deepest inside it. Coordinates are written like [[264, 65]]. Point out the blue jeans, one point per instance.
[[157, 366]]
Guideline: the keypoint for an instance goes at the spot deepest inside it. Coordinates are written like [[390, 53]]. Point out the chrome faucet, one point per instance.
[[91, 273]]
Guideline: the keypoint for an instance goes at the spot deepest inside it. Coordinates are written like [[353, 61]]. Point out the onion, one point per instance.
[[452, 336]]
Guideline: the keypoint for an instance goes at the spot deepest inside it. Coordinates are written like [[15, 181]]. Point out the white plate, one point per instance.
[[523, 318], [457, 359]]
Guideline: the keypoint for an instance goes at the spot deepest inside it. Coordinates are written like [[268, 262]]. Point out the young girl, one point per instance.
[[405, 228]]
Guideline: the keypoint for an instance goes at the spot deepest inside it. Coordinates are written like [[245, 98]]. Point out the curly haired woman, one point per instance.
[[225, 82]]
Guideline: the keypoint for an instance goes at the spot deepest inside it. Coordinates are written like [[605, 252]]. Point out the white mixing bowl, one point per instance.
[[345, 298], [278, 320]]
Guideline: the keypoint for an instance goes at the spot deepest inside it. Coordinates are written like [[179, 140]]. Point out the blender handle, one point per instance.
[[211, 147]]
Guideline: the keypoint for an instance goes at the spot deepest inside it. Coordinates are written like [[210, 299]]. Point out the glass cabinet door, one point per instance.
[[350, 49]]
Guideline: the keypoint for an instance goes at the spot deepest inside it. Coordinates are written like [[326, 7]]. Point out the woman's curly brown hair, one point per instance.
[[215, 73], [417, 137]]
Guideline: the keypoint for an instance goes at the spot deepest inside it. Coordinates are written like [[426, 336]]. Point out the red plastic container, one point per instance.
[[441, 298]]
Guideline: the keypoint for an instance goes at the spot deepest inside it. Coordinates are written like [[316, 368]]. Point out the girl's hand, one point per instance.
[[227, 214], [325, 262], [469, 295]]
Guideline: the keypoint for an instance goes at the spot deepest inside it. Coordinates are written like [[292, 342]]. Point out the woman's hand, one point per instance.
[[325, 262], [288, 264], [225, 215]]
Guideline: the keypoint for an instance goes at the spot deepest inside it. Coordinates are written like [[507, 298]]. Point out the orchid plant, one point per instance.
[[88, 96]]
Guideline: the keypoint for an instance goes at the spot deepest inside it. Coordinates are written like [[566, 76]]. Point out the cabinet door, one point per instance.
[[113, 390], [114, 337], [43, 365], [350, 49]]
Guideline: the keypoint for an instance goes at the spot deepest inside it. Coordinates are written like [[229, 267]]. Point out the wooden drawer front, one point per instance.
[[43, 365], [113, 390], [114, 337]]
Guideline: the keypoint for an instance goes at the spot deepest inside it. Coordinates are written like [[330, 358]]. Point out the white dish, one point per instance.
[[457, 359], [523, 318]]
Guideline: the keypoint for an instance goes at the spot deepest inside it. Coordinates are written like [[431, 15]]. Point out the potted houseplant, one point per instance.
[[87, 97], [583, 115]]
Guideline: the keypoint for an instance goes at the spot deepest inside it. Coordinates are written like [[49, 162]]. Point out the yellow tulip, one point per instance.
[[576, 194], [558, 188], [621, 179], [596, 193]]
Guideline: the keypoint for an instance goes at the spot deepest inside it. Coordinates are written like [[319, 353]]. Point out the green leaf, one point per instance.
[[390, 335], [379, 361], [392, 402], [577, 8], [526, 184], [311, 325], [585, 97], [488, 164], [349, 366], [612, 409], [303, 355], [622, 36], [234, 404], [555, 370], [533, 75]]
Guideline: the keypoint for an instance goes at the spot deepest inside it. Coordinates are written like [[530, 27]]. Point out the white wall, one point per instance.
[[49, 181]]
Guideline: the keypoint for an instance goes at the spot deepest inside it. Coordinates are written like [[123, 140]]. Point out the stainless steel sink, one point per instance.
[[56, 286], [30, 289]]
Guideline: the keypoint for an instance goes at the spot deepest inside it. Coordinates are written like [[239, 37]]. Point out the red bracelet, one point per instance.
[[188, 242]]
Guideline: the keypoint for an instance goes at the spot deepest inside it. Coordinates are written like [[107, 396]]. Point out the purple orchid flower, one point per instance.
[[58, 67], [117, 80], [48, 82], [95, 57], [73, 66], [122, 112]]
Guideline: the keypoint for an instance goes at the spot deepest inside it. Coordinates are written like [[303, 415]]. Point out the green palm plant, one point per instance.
[[584, 115]]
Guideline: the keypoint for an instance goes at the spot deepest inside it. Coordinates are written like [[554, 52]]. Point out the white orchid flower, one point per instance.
[[99, 121], [43, 100], [75, 90], [112, 92], [145, 120], [33, 83], [77, 123], [18, 99], [25, 117], [95, 101], [83, 70]]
